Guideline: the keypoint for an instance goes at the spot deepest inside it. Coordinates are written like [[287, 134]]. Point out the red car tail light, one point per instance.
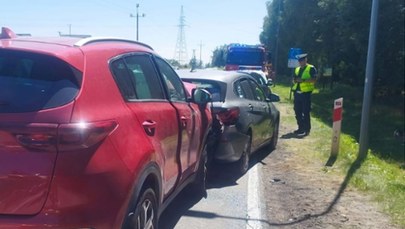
[[37, 140], [74, 136], [71, 136], [228, 116]]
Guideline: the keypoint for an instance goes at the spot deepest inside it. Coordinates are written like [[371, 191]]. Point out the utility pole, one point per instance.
[[137, 20], [277, 38], [201, 44], [363, 142]]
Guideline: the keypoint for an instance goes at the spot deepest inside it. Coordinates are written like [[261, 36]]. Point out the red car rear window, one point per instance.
[[32, 82]]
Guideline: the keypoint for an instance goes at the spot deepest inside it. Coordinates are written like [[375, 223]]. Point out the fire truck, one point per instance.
[[248, 58], [245, 57]]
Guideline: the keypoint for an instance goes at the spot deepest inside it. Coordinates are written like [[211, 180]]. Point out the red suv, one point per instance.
[[94, 133]]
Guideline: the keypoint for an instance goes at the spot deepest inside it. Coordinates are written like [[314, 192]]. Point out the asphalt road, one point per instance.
[[233, 202]]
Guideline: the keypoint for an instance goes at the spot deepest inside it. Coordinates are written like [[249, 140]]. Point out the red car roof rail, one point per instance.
[[7, 33], [89, 40]]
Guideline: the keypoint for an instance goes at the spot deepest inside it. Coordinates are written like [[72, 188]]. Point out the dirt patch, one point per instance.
[[301, 193]]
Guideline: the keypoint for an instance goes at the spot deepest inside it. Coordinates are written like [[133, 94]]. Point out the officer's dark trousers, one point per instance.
[[302, 108]]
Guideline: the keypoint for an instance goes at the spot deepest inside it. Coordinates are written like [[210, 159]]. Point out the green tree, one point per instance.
[[219, 56], [335, 33], [390, 49], [173, 62]]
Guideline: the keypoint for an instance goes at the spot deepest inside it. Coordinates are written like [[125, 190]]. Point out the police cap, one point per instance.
[[301, 56]]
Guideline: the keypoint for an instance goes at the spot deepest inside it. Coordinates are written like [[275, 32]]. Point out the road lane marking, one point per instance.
[[254, 216]]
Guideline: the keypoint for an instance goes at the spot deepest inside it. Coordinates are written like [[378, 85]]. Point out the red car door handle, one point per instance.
[[149, 126], [183, 121]]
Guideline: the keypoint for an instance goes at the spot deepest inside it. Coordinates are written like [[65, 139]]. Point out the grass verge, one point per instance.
[[381, 174]]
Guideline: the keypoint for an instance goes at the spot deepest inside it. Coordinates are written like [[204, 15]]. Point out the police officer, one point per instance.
[[303, 84]]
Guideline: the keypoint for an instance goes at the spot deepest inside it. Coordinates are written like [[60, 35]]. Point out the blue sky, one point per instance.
[[211, 23]]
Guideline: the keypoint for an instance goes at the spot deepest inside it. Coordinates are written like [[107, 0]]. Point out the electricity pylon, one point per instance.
[[180, 53]]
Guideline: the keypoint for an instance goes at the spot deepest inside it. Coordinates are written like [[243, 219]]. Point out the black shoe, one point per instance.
[[301, 133], [297, 131]]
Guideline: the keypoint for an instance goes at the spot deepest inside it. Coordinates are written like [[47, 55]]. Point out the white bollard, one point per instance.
[[337, 124]]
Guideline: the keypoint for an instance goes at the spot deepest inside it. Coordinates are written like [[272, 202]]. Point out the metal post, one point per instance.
[[201, 44], [137, 20], [363, 142]]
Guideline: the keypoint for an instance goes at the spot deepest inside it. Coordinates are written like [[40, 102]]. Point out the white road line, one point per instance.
[[253, 206]]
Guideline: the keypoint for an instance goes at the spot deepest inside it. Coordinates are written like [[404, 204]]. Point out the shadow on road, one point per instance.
[[225, 177], [220, 176], [179, 207], [353, 168]]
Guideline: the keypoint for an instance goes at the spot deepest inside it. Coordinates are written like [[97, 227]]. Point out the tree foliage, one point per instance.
[[219, 56], [335, 33]]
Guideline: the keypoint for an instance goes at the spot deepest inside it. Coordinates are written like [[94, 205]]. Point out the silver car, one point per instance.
[[244, 117]]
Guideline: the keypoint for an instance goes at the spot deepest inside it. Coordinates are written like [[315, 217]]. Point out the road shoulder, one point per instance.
[[300, 193]]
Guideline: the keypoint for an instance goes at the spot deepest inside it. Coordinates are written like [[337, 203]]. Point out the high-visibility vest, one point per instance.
[[304, 86]]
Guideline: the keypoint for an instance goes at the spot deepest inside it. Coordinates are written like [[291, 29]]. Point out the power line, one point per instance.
[[110, 5]]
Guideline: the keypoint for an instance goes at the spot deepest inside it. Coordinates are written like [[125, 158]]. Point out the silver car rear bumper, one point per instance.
[[230, 145]]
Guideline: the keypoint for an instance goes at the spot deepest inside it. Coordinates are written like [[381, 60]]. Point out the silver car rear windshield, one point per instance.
[[212, 87], [31, 82]]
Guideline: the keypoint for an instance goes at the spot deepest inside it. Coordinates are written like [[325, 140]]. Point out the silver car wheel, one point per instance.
[[244, 160]]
